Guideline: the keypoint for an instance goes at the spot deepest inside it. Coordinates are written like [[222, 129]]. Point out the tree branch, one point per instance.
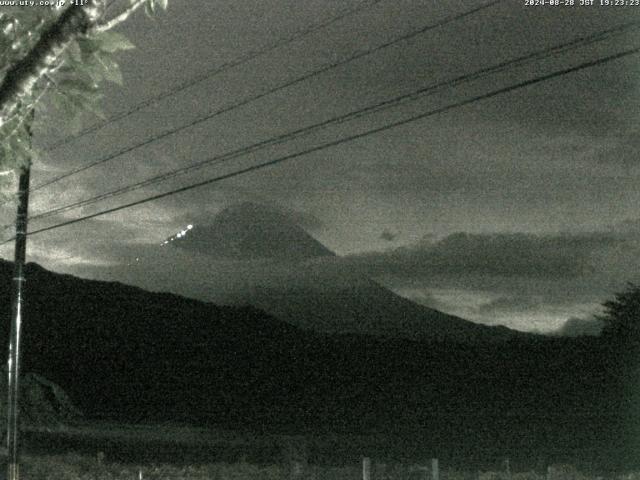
[[21, 78], [30, 107], [121, 17], [49, 81]]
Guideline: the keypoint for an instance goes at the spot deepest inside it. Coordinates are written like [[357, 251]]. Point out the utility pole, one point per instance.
[[17, 306]]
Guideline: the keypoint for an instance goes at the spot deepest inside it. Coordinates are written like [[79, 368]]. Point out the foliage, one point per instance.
[[19, 27], [43, 403], [152, 6], [71, 86], [622, 315]]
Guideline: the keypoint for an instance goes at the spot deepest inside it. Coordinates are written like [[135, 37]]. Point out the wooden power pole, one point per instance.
[[17, 307]]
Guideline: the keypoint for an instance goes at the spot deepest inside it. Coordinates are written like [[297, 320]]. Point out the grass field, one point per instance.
[[81, 467], [115, 451]]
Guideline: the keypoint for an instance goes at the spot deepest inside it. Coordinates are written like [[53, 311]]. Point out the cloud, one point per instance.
[[388, 236], [623, 150], [522, 280], [562, 256], [576, 327], [630, 228], [509, 305], [525, 281]]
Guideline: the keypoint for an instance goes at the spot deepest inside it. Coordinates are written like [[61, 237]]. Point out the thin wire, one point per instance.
[[484, 72], [358, 55], [350, 138], [247, 57]]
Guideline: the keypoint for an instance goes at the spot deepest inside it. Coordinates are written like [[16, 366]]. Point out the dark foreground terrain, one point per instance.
[[78, 467], [109, 451], [181, 447], [129, 356]]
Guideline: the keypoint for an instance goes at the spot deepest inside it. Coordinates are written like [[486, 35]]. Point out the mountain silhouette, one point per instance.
[[250, 231], [126, 354], [291, 275]]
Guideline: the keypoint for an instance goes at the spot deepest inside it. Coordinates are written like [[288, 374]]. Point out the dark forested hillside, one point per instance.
[[127, 354]]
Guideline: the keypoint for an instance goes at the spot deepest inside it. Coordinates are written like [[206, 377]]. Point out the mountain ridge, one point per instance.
[[130, 355], [251, 231], [307, 287]]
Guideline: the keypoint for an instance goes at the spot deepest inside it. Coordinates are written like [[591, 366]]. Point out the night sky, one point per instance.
[[520, 210]]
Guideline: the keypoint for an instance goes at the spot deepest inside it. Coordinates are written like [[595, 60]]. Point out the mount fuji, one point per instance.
[[262, 257]]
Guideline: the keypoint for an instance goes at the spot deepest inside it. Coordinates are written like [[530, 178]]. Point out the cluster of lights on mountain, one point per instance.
[[180, 234]]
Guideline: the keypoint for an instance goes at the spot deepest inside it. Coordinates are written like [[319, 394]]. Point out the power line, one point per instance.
[[280, 87], [350, 138], [537, 55], [247, 57], [246, 101]]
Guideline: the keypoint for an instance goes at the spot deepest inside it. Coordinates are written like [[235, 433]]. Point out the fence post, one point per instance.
[[366, 468], [435, 469], [381, 471], [296, 469], [423, 469]]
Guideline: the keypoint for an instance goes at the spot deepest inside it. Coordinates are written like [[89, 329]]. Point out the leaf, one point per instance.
[[77, 85], [114, 75], [94, 70], [92, 106], [88, 47], [5, 157], [25, 16], [84, 100], [71, 106], [76, 124], [113, 41], [109, 68], [16, 150], [64, 105], [75, 52], [36, 155], [87, 69], [150, 8], [6, 192], [84, 71], [5, 41], [163, 4]]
